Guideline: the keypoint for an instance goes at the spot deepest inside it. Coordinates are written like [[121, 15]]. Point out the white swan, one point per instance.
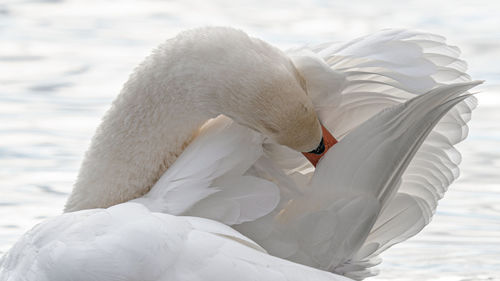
[[365, 195]]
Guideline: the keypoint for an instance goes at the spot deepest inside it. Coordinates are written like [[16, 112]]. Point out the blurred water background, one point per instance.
[[63, 61]]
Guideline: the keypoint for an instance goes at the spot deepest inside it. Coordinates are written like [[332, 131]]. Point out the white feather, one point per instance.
[[129, 242]]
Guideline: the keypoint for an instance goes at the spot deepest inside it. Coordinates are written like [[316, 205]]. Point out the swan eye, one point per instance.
[[320, 149]]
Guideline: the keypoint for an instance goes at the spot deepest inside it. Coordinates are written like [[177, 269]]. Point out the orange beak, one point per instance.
[[328, 141]]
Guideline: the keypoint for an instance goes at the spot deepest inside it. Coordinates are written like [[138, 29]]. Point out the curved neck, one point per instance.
[[142, 134], [187, 80]]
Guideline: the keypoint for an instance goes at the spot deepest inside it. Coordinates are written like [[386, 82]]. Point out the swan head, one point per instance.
[[283, 113], [256, 85], [288, 118], [272, 99], [252, 82]]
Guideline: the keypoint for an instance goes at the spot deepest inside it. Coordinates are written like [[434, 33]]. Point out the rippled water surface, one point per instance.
[[62, 63]]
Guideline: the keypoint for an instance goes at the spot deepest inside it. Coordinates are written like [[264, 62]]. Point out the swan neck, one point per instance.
[[142, 134], [193, 77]]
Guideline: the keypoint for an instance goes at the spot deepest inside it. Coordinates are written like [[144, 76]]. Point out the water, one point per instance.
[[62, 63]]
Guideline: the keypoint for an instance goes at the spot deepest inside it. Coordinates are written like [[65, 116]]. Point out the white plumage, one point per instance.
[[396, 101], [128, 242]]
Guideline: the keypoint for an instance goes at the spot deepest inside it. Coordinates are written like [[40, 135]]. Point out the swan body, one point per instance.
[[397, 101], [128, 242]]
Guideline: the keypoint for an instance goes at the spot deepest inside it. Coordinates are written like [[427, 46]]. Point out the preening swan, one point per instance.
[[186, 81], [396, 100]]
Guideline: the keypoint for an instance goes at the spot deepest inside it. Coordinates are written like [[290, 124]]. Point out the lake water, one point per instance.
[[62, 63]]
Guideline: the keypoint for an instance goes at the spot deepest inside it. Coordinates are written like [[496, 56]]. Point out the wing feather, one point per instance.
[[380, 71]]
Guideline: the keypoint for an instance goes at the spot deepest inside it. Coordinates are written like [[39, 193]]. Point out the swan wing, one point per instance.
[[380, 71], [129, 242], [210, 179], [328, 225], [388, 68], [351, 82]]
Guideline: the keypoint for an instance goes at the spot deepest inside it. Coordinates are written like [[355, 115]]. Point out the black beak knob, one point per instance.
[[320, 149]]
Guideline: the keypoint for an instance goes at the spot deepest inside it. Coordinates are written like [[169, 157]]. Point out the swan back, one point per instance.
[[128, 242]]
